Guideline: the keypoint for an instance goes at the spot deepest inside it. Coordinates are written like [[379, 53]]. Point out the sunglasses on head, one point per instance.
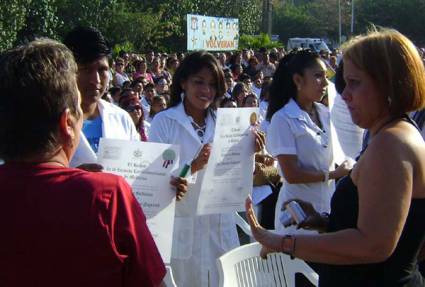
[[132, 108]]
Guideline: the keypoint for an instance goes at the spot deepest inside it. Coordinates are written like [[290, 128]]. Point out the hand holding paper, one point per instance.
[[180, 184], [201, 159]]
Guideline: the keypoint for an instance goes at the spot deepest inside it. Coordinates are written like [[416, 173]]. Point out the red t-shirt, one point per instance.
[[68, 227]]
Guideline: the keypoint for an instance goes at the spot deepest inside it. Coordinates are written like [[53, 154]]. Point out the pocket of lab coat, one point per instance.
[[228, 233], [182, 238]]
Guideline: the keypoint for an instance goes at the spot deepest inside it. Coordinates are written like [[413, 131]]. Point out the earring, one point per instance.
[[389, 100], [182, 95]]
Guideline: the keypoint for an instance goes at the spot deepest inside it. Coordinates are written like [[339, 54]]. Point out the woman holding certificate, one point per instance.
[[190, 122], [299, 134]]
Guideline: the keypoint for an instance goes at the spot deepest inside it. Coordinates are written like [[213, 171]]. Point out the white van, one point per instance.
[[314, 44]]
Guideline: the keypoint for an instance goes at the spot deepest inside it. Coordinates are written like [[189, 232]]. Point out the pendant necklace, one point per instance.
[[200, 130]]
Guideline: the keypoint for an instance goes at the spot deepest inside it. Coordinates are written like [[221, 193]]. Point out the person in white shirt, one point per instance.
[[120, 76], [190, 122], [101, 119], [350, 136], [266, 66], [299, 134]]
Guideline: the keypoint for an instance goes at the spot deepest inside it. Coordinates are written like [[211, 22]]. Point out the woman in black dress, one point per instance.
[[376, 228]]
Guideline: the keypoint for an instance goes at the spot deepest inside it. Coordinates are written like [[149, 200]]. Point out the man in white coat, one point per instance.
[[101, 119]]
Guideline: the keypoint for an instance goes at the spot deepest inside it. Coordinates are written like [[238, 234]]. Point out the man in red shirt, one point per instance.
[[61, 226]]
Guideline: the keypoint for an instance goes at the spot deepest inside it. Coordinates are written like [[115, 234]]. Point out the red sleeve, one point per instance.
[[143, 265]]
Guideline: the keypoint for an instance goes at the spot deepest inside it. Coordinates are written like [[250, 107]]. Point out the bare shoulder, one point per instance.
[[396, 153], [398, 141]]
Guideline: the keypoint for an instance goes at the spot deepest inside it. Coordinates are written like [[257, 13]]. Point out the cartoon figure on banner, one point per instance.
[[194, 23], [228, 29], [236, 31], [204, 27], [168, 156], [212, 30], [220, 30], [194, 27]]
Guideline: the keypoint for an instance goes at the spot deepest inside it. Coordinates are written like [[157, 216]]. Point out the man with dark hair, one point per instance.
[[101, 119]]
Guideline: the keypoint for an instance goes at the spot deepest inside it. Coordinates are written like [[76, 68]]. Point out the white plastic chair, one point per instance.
[[243, 267], [242, 224], [169, 279]]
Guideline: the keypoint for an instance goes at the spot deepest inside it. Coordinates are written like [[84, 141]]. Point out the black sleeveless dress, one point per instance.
[[400, 269]]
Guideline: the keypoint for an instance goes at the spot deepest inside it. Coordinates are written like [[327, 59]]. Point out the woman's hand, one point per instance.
[[260, 140], [271, 242], [202, 159], [264, 159], [180, 184], [313, 221]]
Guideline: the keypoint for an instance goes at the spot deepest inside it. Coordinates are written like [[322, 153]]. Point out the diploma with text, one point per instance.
[[147, 167], [228, 176]]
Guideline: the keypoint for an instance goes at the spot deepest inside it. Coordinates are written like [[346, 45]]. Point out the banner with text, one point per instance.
[[212, 33]]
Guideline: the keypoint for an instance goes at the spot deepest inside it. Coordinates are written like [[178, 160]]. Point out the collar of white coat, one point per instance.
[[293, 110], [103, 106], [178, 114], [113, 118]]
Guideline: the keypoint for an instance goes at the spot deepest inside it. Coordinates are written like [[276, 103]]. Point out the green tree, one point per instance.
[[12, 19], [294, 21], [40, 20], [95, 13], [145, 30], [405, 16]]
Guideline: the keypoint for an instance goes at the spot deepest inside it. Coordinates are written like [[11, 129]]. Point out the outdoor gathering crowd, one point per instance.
[[338, 132]]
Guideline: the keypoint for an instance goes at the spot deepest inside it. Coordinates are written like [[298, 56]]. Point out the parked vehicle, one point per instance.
[[315, 44]]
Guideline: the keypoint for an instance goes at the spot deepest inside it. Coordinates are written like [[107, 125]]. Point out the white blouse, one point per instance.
[[292, 132]]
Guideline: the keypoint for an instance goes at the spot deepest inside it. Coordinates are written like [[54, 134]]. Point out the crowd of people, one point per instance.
[[70, 224]]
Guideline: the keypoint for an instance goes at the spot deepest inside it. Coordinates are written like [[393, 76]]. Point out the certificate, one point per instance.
[[147, 167], [228, 176]]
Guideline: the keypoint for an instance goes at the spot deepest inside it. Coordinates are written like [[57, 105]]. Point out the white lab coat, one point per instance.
[[197, 240], [292, 132], [116, 124], [349, 135]]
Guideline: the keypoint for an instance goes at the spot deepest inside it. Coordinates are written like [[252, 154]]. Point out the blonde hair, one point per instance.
[[395, 65]]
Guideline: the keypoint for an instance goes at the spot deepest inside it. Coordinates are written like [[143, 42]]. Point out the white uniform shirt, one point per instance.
[[121, 78], [292, 132], [197, 240], [349, 135], [116, 124]]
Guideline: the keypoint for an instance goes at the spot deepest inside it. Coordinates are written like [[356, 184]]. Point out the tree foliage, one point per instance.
[[319, 18], [258, 41], [405, 16], [40, 20], [161, 24], [12, 19]]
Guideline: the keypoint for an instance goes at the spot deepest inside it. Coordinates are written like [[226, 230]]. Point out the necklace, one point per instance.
[[200, 130]]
